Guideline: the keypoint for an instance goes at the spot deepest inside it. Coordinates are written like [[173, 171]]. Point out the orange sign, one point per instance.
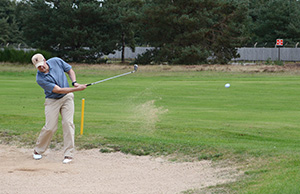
[[279, 42]]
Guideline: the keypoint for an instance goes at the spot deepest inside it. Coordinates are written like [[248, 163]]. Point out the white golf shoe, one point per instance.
[[36, 156], [67, 160]]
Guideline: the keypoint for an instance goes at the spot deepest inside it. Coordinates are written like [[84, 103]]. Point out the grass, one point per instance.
[[177, 111]]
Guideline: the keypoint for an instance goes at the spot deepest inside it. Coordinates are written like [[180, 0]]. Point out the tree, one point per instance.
[[124, 14], [76, 30], [4, 30], [189, 32], [293, 27], [9, 30], [36, 25], [274, 19]]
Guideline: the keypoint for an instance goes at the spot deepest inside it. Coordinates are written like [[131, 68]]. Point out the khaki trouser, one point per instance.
[[64, 106]]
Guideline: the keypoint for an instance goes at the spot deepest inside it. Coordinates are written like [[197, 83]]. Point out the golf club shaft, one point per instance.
[[110, 78]]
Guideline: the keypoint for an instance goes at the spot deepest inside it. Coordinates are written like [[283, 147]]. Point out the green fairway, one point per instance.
[[189, 114]]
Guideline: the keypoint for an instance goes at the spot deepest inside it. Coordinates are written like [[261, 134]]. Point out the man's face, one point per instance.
[[43, 68]]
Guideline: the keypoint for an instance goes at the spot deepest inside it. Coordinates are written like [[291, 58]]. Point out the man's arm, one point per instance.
[[77, 86], [72, 76], [60, 90]]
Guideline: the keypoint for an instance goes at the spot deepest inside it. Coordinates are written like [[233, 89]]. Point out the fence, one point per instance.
[[264, 54], [246, 54], [129, 54]]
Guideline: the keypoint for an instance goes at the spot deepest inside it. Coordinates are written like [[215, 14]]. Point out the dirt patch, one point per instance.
[[247, 68], [95, 172]]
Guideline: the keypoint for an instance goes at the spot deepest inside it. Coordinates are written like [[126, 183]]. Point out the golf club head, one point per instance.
[[136, 67]]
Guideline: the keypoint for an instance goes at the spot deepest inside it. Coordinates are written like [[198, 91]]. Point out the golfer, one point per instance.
[[59, 100]]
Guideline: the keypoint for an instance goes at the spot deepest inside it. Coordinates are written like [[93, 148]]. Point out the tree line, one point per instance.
[[181, 31]]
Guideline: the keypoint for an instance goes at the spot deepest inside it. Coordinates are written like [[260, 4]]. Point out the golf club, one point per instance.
[[135, 69]]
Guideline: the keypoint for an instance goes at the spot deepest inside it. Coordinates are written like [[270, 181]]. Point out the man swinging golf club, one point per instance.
[[59, 100]]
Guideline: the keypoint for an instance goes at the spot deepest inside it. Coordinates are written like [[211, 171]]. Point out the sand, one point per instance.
[[94, 172]]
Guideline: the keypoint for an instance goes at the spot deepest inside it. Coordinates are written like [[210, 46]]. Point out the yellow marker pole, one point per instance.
[[82, 116]]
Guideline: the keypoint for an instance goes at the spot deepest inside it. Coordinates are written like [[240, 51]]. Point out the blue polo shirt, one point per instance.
[[55, 76]]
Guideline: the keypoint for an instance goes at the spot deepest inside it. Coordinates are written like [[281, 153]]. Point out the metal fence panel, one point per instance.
[[263, 54], [129, 54], [246, 54]]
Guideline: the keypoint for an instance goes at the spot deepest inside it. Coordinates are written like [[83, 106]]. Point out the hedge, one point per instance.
[[20, 56]]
